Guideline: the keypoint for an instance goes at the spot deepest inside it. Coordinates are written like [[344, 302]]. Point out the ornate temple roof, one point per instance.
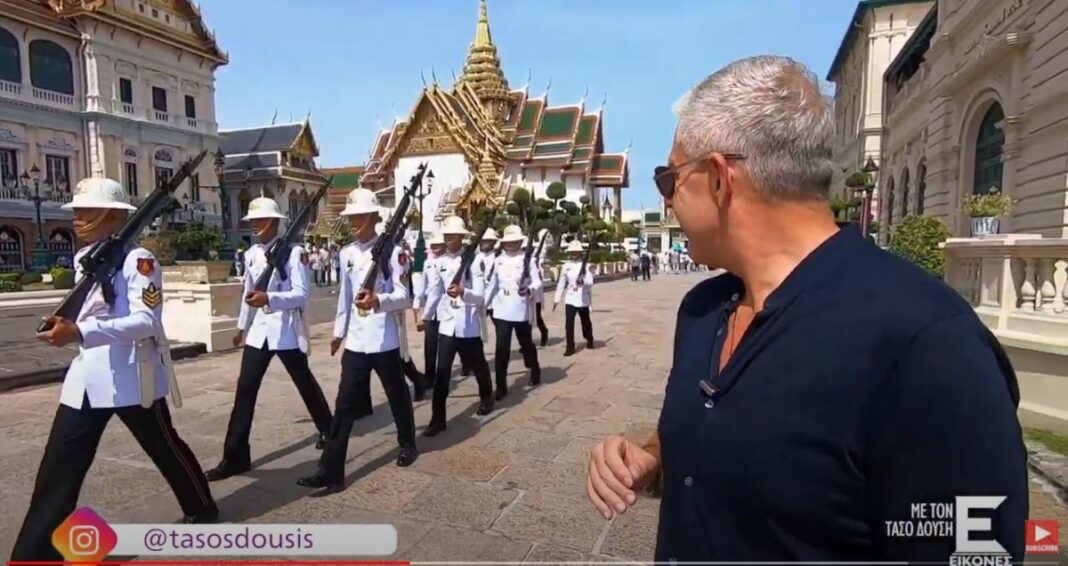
[[494, 127]]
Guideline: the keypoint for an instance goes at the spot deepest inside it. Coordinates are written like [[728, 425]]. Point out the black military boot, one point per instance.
[[209, 515], [434, 428], [485, 407], [407, 455], [320, 443], [226, 469], [535, 376], [501, 390]]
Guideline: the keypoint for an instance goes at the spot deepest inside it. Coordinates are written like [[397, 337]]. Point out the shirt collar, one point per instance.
[[820, 264]]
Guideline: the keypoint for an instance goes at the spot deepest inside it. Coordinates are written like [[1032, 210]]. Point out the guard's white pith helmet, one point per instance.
[[453, 225], [512, 233], [436, 239], [98, 192], [361, 201], [490, 235], [574, 246], [263, 207]]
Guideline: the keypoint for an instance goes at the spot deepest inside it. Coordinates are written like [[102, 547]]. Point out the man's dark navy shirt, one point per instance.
[[864, 386]]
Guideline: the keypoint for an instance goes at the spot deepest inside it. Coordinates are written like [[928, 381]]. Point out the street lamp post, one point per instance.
[[870, 169], [41, 258], [227, 250], [420, 242]]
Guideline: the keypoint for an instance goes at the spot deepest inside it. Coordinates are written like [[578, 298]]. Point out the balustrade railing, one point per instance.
[[1017, 283], [160, 116], [10, 88], [52, 96]]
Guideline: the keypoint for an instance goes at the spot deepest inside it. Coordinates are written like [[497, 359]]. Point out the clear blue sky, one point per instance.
[[348, 61]]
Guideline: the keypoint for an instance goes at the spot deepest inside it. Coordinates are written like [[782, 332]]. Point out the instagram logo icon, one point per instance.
[[84, 537]]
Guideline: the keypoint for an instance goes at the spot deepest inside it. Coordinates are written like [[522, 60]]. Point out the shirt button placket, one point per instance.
[[688, 481]]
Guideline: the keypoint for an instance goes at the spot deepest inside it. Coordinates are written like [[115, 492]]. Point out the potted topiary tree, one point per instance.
[[197, 251], [985, 210]]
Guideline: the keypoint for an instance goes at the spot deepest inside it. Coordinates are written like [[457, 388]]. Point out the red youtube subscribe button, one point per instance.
[[1041, 536]]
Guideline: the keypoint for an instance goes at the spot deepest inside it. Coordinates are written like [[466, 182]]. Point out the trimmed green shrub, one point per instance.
[[7, 286], [62, 278], [15, 277], [917, 239], [30, 278]]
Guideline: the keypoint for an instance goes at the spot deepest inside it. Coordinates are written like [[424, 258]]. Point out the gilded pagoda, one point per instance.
[[481, 139]]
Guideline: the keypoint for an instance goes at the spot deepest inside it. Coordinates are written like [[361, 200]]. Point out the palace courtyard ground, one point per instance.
[[507, 487]]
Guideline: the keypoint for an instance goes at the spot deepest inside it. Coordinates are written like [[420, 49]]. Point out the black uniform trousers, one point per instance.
[[542, 328], [569, 324], [430, 349], [503, 351], [364, 405], [471, 352], [70, 451], [254, 362], [355, 372]]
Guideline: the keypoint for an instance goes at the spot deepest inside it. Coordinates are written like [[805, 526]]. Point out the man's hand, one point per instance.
[[63, 332], [239, 338], [455, 291], [367, 300], [617, 468], [420, 325], [256, 299], [335, 344]]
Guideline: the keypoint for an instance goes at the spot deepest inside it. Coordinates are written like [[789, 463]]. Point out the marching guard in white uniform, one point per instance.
[[459, 323], [430, 326], [279, 328], [577, 296], [123, 368], [368, 325], [510, 297]]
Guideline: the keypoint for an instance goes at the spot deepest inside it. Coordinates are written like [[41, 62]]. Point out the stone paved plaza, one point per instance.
[[507, 487]]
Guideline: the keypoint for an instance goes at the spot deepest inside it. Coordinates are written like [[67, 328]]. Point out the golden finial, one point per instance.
[[482, 30]]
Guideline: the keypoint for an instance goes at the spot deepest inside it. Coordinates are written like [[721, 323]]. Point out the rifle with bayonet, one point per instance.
[[468, 256], [585, 261], [382, 252], [528, 256], [105, 258], [278, 254]]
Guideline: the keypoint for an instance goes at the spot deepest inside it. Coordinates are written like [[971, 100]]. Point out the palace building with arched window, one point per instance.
[[977, 97], [117, 88], [975, 104]]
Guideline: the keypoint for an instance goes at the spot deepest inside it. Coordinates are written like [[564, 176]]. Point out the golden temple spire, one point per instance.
[[482, 30], [482, 70]]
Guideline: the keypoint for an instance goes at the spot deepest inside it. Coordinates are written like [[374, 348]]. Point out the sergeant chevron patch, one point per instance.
[[151, 296]]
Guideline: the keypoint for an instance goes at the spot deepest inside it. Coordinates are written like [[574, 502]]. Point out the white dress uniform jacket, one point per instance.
[[503, 292], [281, 324], [578, 293], [539, 290], [458, 317], [115, 337], [377, 331], [419, 288]]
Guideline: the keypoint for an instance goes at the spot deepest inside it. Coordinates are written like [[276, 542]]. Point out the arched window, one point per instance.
[[10, 249], [890, 201], [50, 67], [921, 186], [10, 61], [905, 192], [988, 147]]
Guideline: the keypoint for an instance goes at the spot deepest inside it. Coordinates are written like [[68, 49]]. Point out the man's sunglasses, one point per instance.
[[667, 178]]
